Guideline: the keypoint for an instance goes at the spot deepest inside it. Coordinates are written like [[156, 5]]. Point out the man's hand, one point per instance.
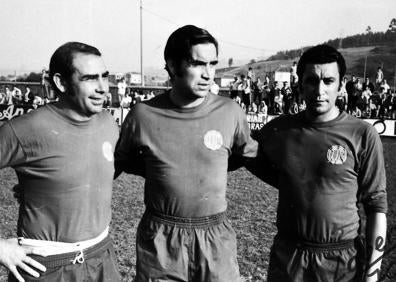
[[13, 255]]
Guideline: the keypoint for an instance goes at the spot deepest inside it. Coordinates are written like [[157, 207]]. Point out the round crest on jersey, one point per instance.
[[213, 140], [337, 154]]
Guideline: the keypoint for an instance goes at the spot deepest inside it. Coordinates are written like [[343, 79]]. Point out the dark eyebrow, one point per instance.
[[200, 63], [93, 76], [89, 76]]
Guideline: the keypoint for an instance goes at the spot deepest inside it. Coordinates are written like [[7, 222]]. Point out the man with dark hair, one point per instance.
[[180, 141], [234, 88], [369, 84], [352, 92], [323, 162], [63, 156]]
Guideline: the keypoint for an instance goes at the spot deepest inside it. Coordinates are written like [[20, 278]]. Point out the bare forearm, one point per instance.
[[376, 235]]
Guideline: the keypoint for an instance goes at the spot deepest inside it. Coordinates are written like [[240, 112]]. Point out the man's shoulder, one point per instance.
[[106, 117], [145, 108], [285, 119], [33, 116], [158, 101], [279, 124], [358, 123], [223, 101], [32, 122]]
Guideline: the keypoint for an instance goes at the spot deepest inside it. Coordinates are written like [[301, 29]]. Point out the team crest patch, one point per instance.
[[213, 140], [107, 150], [337, 154]]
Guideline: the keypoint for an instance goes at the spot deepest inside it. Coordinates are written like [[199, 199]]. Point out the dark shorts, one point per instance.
[[99, 265], [186, 249], [297, 262]]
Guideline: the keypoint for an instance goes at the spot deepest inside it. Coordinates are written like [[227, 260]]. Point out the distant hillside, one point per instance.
[[384, 56], [354, 41], [377, 54]]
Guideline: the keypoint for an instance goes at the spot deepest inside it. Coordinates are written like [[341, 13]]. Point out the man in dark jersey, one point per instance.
[[180, 141], [63, 156], [324, 162]]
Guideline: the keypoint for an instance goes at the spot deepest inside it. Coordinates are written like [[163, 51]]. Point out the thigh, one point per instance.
[[288, 263], [161, 254], [59, 274], [102, 268], [216, 254]]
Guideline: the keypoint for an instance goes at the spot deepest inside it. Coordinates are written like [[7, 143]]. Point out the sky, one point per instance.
[[246, 29]]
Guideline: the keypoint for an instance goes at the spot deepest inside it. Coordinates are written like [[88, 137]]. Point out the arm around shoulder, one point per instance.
[[127, 156]]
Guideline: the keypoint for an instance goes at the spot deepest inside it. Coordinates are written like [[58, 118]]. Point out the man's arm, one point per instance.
[[375, 243], [372, 189], [247, 153], [14, 256], [128, 158], [11, 254]]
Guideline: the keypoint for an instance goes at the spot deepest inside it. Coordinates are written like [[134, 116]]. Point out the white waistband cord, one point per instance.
[[56, 248], [79, 258]]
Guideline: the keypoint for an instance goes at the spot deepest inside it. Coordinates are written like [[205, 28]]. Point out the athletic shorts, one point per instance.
[[99, 265], [301, 261], [186, 249]]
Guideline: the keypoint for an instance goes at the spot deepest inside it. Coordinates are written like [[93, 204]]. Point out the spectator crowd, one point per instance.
[[127, 97], [12, 95], [361, 99]]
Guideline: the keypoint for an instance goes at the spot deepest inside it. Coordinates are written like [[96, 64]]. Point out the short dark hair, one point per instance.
[[320, 54], [179, 44], [62, 60]]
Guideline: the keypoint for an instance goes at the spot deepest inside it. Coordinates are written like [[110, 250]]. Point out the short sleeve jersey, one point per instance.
[[65, 169], [322, 170], [184, 152]]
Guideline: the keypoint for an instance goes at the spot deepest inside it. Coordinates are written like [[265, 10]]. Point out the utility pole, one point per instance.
[[394, 80], [365, 63], [141, 43]]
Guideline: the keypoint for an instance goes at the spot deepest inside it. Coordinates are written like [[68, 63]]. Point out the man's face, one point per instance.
[[88, 84], [195, 78], [320, 87]]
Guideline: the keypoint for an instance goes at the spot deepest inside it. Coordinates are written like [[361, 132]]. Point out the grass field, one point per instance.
[[252, 210]]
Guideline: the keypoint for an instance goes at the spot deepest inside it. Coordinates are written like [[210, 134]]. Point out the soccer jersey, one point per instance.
[[184, 152], [65, 169], [322, 170]]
